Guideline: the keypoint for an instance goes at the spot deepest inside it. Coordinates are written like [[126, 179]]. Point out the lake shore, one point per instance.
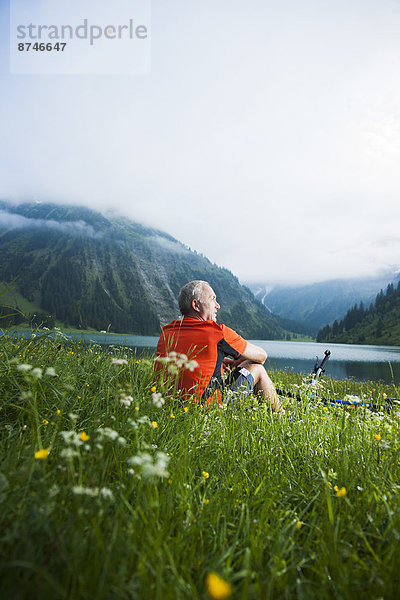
[[360, 362]]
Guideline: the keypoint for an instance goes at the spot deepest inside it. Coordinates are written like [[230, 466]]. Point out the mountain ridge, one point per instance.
[[91, 269], [318, 304]]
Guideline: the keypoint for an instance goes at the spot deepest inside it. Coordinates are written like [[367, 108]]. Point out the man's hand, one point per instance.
[[229, 364]]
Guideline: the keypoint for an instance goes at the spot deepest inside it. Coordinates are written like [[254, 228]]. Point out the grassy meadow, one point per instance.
[[111, 488]]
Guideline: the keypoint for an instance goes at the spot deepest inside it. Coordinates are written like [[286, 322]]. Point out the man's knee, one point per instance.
[[257, 371]]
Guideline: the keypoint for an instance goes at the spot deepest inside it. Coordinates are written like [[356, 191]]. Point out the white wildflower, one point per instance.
[[73, 416], [107, 432], [51, 372], [119, 361], [38, 372], [80, 490], [131, 472], [141, 460], [71, 438], [54, 490], [126, 400], [68, 453], [191, 365], [177, 361], [140, 421], [111, 434], [24, 367], [106, 493], [158, 400], [151, 466]]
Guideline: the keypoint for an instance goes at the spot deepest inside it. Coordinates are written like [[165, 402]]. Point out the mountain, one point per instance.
[[87, 269], [318, 304], [379, 324]]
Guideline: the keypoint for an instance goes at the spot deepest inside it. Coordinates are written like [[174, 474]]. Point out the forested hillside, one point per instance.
[[85, 269], [379, 324]]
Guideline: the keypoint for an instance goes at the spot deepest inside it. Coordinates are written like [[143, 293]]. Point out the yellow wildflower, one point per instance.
[[206, 501], [154, 423], [42, 454], [58, 411], [217, 588], [378, 437], [299, 524], [341, 493], [45, 422], [336, 488], [186, 409], [206, 475], [172, 416], [169, 481], [84, 436], [153, 389]]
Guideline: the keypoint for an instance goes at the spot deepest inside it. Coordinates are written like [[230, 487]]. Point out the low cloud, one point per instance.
[[166, 244], [11, 221]]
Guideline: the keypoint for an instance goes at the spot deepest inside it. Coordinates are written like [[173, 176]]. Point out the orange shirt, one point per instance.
[[207, 343]]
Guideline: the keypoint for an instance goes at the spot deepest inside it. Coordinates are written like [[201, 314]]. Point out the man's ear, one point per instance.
[[195, 305]]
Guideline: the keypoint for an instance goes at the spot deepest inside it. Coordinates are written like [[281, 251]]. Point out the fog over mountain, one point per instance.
[[321, 303]]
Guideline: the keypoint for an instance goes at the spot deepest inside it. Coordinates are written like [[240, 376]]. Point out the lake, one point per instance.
[[363, 363]]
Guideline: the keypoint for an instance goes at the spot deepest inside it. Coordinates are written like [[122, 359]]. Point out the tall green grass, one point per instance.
[[139, 501]]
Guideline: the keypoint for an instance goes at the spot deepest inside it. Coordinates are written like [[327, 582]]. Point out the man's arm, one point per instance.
[[254, 353]]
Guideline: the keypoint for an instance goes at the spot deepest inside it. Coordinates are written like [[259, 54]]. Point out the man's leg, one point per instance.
[[263, 385]]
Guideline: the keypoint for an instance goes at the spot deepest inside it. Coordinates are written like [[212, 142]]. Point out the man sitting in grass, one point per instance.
[[212, 348]]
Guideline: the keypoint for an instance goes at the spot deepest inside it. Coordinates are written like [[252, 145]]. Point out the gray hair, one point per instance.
[[190, 291]]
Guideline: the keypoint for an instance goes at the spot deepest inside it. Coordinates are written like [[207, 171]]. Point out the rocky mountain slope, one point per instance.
[[86, 269]]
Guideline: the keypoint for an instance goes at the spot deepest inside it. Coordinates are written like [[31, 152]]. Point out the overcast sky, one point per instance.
[[266, 135]]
